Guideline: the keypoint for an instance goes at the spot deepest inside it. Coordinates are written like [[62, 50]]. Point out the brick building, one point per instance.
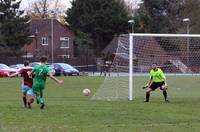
[[42, 30]]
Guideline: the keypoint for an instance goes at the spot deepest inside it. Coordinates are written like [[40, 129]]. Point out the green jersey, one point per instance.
[[157, 76], [41, 73]]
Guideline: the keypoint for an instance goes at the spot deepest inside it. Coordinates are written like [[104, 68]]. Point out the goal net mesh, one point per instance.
[[173, 54]]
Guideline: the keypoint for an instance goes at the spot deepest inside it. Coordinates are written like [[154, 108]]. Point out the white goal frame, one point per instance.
[[131, 43]]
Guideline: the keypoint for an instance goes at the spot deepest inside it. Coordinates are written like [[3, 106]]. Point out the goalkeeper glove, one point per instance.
[[145, 86]]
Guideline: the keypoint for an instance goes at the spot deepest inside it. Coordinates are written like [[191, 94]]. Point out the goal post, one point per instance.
[[130, 67], [135, 52]]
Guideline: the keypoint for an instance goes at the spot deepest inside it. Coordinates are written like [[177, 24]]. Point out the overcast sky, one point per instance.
[[25, 3]]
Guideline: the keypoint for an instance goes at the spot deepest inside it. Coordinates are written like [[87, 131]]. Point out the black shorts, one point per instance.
[[155, 85]]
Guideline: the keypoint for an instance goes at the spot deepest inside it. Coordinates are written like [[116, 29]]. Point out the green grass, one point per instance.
[[68, 110]]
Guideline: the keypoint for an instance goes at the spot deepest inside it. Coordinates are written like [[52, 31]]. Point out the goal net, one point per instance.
[[174, 53]]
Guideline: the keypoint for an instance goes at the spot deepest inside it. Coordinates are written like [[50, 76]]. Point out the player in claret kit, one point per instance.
[[28, 95]]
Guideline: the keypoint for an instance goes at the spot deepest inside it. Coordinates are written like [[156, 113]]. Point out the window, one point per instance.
[[44, 41], [64, 42]]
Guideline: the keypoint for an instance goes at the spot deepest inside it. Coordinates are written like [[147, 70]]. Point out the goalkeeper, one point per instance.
[[157, 80]]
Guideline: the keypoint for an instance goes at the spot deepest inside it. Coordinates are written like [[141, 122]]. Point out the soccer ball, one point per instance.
[[86, 92]]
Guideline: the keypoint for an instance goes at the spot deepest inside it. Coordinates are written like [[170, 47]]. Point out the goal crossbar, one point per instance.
[[164, 35]]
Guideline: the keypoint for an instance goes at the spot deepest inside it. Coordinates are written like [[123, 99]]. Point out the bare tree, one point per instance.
[[44, 8], [38, 9], [132, 6]]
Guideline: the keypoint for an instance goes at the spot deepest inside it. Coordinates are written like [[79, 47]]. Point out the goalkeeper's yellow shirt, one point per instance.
[[157, 76]]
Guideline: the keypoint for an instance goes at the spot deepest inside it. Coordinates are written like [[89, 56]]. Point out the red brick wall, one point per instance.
[[43, 28]]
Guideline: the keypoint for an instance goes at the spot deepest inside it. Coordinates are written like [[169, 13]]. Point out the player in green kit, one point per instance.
[[157, 80], [40, 74]]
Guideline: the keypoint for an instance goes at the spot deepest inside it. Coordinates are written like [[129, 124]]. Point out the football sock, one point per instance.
[[41, 101], [42, 106], [38, 100], [24, 101], [31, 100], [147, 97], [165, 94]]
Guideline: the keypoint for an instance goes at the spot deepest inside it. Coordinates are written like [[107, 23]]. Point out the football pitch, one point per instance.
[[67, 110]]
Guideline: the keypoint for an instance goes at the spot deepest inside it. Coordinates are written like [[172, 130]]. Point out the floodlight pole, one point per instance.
[[187, 21], [52, 37], [132, 22]]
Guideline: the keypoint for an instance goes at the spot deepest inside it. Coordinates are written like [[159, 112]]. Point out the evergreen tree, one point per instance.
[[161, 16], [96, 21], [191, 11], [14, 27]]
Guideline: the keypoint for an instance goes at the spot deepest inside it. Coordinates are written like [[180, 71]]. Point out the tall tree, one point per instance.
[[161, 16], [132, 6], [39, 9], [14, 27], [191, 10], [44, 9], [96, 21]]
